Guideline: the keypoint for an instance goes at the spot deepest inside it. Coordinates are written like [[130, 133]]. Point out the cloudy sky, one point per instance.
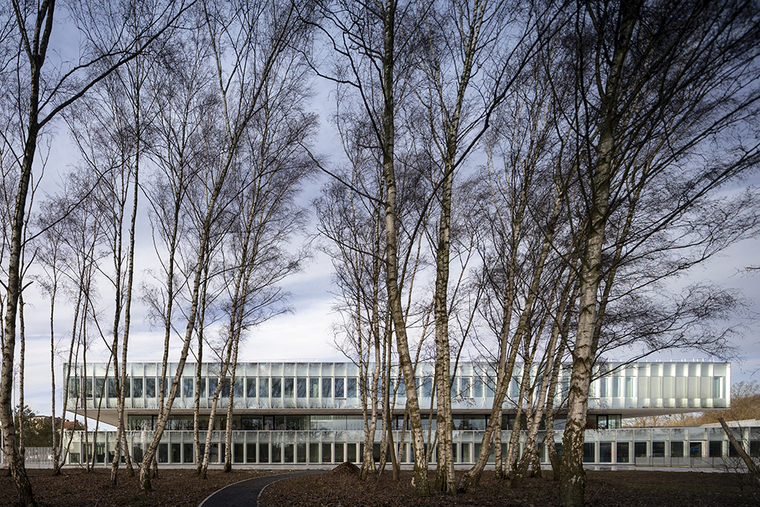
[[305, 334]]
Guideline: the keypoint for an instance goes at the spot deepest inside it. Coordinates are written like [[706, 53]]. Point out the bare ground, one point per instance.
[[75, 487], [342, 487], [608, 489]]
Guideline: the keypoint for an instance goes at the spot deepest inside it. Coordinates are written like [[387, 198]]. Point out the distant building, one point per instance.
[[288, 414]]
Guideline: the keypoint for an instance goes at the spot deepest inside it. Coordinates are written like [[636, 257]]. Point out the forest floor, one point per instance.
[[342, 487]]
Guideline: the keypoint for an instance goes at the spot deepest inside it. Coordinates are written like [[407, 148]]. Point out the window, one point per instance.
[[213, 383], [629, 387], [137, 387], [716, 448], [603, 389], [351, 388], [263, 453], [427, 387], [658, 449], [605, 452], [339, 393], [137, 452], [112, 391], [238, 391], [314, 388], [163, 453], [250, 387], [464, 388], [327, 388], [264, 393], [188, 453], [313, 452], [176, 453], [276, 452], [301, 447], [676, 449], [250, 453], [99, 387], [640, 449], [401, 392], [326, 451], [301, 387], [477, 388], [288, 387], [297, 422], [466, 458], [187, 387], [150, 388], [226, 388], [588, 452], [237, 453], [74, 388], [514, 387], [622, 452], [717, 384], [251, 423], [276, 393]]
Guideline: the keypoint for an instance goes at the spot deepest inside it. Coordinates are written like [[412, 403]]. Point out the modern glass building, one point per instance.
[[288, 414]]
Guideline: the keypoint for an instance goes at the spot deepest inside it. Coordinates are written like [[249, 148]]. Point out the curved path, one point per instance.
[[246, 493]]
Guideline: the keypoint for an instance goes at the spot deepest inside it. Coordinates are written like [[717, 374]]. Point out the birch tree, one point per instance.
[[44, 91], [259, 36], [684, 72]]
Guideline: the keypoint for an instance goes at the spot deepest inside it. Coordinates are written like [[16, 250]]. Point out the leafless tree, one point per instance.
[[662, 92], [261, 37], [40, 96]]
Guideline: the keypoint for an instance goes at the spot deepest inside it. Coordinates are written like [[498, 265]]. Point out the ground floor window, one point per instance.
[[589, 449], [301, 452], [176, 453], [676, 449], [188, 453], [163, 453], [326, 453], [313, 452], [605, 452], [623, 452], [658, 449], [640, 449], [716, 448]]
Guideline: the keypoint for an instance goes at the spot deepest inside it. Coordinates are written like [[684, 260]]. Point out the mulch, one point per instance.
[[343, 488]]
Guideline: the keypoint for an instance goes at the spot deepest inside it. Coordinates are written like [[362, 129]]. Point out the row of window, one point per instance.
[[627, 387], [678, 449], [464, 452], [251, 387], [304, 422], [278, 452], [329, 387], [276, 387]]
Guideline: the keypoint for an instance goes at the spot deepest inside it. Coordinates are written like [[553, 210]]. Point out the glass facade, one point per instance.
[[289, 413]]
